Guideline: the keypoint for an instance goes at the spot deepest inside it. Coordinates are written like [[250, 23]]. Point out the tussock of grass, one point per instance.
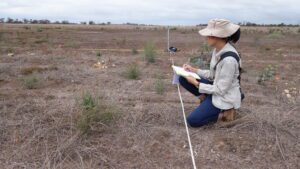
[[134, 51], [33, 69], [95, 114], [38, 41], [266, 75], [159, 86], [149, 51], [31, 82], [132, 72]]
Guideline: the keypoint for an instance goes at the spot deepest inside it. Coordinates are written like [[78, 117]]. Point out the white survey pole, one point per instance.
[[182, 106], [168, 35]]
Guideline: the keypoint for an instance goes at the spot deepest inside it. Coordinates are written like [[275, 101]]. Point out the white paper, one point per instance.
[[181, 72]]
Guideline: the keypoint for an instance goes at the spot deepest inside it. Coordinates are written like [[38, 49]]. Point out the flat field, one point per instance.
[[75, 96]]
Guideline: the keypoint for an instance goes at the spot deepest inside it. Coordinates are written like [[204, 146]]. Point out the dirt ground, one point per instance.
[[38, 126]]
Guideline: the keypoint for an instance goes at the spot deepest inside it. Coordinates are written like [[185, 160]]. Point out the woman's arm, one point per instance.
[[203, 73], [200, 72], [225, 78]]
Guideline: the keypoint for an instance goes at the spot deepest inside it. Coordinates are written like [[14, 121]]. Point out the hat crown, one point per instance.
[[218, 23]]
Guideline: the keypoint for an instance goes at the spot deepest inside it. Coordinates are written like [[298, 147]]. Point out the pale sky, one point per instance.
[[161, 12]]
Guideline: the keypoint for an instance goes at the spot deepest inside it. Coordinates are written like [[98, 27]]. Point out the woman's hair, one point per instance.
[[234, 37]]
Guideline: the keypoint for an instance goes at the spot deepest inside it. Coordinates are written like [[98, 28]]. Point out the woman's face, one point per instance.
[[212, 41]]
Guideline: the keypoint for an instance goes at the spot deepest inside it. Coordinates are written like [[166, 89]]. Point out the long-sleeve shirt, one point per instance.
[[225, 89]]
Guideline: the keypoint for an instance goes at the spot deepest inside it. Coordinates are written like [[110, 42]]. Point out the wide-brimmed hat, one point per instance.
[[221, 28]]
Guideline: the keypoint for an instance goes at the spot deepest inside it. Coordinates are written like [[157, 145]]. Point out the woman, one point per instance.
[[219, 87]]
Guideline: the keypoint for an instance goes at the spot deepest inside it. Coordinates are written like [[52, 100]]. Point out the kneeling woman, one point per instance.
[[219, 87]]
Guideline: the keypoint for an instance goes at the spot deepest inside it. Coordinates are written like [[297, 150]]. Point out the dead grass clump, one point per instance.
[[38, 69], [39, 41], [96, 114], [134, 51]]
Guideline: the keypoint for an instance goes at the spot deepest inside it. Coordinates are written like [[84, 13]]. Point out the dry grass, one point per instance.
[[36, 69], [44, 128]]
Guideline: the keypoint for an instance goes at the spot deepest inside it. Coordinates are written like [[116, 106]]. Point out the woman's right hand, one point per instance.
[[189, 68]]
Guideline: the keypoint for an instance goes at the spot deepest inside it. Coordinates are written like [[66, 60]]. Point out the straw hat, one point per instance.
[[220, 28]]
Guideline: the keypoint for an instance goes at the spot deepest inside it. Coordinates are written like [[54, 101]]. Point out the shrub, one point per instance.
[[133, 72], [88, 101], [159, 86], [149, 51], [173, 29], [199, 62], [33, 69], [31, 82], [205, 48], [95, 112], [275, 33], [267, 74], [39, 30], [134, 51], [98, 54], [44, 40]]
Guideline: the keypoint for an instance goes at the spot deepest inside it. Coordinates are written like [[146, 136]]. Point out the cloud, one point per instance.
[[153, 11]]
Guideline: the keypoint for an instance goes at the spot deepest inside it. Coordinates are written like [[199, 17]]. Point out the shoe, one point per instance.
[[229, 115]]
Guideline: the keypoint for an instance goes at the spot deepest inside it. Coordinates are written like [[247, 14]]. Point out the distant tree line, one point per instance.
[[261, 25], [46, 21]]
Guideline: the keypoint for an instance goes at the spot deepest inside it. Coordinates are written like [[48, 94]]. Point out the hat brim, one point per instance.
[[220, 33]]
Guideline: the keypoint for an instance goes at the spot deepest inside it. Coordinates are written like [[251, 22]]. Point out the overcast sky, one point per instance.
[[163, 12]]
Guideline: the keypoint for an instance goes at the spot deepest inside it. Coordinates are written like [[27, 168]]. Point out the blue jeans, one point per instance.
[[206, 112]]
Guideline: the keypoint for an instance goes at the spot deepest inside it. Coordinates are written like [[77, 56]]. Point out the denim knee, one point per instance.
[[192, 123]]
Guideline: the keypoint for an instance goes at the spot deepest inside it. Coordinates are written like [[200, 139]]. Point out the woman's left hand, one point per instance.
[[192, 80]]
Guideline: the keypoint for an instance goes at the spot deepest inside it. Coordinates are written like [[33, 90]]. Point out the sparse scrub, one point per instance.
[[133, 72], [36, 69], [26, 27], [95, 113], [1, 36], [159, 85], [38, 41], [71, 44], [98, 54], [173, 29], [134, 51], [31, 82], [39, 29], [205, 48], [275, 33], [199, 62], [149, 51], [266, 75], [88, 101]]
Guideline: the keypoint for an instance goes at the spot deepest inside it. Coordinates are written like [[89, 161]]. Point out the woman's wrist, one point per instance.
[[195, 70]]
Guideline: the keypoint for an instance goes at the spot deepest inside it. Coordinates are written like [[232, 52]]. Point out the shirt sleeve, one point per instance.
[[203, 73], [224, 82]]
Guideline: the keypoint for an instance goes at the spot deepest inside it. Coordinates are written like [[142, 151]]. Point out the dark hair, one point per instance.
[[234, 37]]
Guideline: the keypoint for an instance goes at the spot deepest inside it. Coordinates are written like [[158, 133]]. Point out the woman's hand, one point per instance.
[[189, 68], [192, 80]]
